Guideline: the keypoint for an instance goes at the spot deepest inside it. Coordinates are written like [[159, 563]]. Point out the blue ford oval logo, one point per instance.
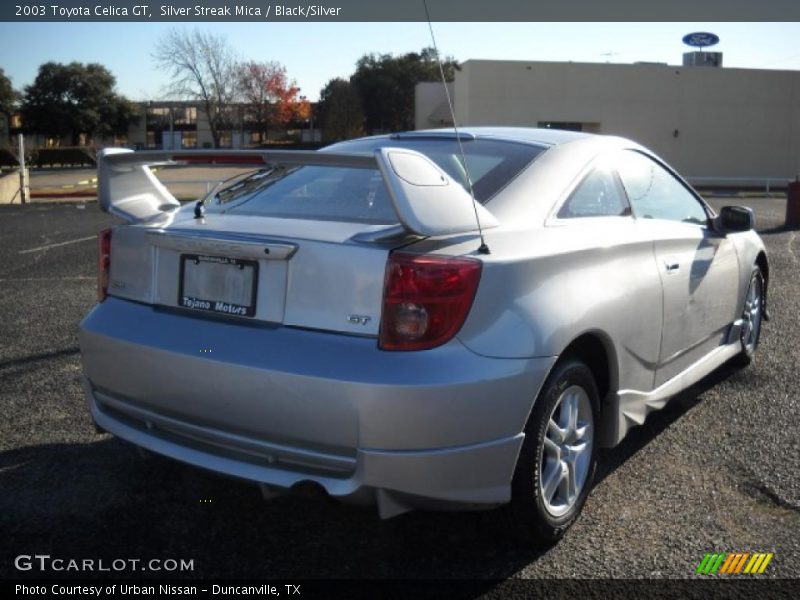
[[700, 39]]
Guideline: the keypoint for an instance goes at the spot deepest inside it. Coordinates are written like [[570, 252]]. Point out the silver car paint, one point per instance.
[[690, 257], [424, 192], [335, 399], [281, 405], [329, 277], [281, 382], [128, 189]]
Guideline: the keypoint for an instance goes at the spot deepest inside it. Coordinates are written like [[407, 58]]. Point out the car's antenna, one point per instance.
[[483, 248]]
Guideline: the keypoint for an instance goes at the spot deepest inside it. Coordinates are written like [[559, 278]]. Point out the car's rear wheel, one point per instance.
[[557, 461], [752, 317]]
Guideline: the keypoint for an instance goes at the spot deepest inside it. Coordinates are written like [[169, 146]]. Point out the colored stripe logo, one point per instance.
[[734, 563]]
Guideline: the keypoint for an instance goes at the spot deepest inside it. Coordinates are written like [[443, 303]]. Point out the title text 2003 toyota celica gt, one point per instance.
[[332, 316]]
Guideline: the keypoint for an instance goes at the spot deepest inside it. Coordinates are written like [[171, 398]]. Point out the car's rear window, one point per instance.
[[359, 195]]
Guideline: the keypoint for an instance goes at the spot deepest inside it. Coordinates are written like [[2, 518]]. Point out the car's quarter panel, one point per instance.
[[132, 264], [532, 196], [543, 288], [314, 390]]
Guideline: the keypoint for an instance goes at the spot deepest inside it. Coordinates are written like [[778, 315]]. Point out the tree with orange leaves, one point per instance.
[[271, 99]]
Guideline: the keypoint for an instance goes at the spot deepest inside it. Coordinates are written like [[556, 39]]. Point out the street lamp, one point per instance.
[[309, 121]]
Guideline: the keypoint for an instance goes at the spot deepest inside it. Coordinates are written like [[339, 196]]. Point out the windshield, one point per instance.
[[359, 195]]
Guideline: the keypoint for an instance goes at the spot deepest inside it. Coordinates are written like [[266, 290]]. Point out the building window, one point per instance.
[[189, 140], [16, 121], [255, 138], [153, 139], [225, 139], [186, 116], [158, 117]]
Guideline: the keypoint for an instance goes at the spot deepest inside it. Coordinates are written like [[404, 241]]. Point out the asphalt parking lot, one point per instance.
[[185, 183], [717, 470]]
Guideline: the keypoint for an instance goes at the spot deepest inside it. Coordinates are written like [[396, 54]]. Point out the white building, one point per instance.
[[707, 122]]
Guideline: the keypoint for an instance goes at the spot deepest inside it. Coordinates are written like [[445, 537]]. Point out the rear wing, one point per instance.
[[426, 199]]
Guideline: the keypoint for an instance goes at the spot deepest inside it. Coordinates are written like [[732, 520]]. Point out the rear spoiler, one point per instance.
[[427, 200]]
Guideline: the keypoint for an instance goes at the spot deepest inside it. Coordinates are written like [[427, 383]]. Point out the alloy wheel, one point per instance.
[[751, 317], [566, 451]]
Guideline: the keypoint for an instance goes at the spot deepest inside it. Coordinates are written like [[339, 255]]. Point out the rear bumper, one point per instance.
[[280, 406]]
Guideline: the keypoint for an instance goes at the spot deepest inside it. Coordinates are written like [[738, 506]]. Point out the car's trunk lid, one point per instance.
[[282, 271]]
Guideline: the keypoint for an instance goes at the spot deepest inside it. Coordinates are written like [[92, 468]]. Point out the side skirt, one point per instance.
[[627, 408]]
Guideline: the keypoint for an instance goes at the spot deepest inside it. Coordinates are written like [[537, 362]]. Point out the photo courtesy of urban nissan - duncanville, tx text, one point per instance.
[[334, 317]]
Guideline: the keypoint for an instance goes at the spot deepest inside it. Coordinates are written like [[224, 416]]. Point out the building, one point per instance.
[[709, 122], [175, 125], [431, 108], [184, 125]]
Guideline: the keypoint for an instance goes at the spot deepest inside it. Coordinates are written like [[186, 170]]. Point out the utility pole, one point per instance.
[[23, 172], [172, 127]]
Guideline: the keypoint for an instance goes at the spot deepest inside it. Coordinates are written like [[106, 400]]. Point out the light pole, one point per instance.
[[310, 121], [172, 127]]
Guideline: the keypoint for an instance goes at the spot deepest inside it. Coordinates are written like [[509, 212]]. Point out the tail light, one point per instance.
[[103, 263], [426, 299]]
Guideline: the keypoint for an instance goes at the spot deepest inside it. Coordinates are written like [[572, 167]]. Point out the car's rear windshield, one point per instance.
[[359, 195]]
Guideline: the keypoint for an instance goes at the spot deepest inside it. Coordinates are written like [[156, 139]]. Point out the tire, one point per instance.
[[753, 317], [543, 503]]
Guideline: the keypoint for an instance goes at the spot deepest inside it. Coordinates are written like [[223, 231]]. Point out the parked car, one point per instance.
[[337, 317]]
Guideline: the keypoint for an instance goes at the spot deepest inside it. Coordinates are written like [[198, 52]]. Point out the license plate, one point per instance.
[[218, 284]]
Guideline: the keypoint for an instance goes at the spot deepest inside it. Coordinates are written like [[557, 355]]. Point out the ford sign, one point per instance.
[[700, 39]]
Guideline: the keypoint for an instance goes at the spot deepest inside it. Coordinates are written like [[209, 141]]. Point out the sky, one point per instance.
[[313, 53]]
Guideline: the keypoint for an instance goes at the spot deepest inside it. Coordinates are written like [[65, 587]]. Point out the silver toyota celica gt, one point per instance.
[[335, 317]]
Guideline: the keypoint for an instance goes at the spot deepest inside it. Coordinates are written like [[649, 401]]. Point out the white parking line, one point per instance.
[[48, 246]]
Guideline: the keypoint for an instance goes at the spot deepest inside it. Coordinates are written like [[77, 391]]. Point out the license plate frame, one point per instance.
[[216, 305]]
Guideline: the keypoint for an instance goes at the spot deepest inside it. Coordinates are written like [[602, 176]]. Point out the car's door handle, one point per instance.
[[672, 265]]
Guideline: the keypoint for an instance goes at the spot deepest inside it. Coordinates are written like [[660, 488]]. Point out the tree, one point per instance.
[[340, 110], [202, 67], [66, 101], [386, 85], [8, 101], [271, 98], [8, 97]]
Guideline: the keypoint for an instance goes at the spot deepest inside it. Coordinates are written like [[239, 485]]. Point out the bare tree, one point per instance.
[[202, 68]]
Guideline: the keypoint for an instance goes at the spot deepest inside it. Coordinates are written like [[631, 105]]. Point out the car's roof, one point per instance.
[[550, 137]]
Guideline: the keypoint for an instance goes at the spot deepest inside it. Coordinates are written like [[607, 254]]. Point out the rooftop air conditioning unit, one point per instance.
[[702, 59]]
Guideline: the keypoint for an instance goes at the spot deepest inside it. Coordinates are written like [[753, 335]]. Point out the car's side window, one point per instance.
[[598, 195], [654, 193]]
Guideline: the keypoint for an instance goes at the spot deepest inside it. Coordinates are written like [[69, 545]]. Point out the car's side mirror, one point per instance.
[[733, 219]]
